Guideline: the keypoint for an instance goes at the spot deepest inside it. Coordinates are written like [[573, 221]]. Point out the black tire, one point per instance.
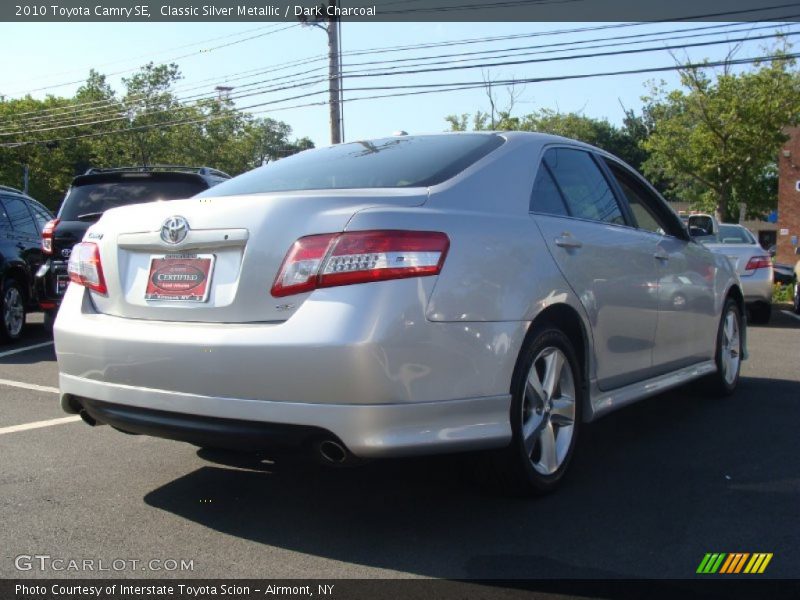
[[520, 469], [760, 313], [12, 311], [720, 383]]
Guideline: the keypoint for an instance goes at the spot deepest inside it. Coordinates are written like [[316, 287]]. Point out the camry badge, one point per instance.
[[174, 230]]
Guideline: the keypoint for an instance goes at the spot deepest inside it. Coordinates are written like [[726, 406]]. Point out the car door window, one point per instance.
[[642, 202], [40, 215], [20, 216], [545, 197], [583, 185], [5, 223]]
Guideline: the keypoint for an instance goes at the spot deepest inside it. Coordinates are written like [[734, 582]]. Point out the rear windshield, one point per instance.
[[396, 162], [87, 200], [735, 235]]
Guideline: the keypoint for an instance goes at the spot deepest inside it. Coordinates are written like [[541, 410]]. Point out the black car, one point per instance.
[[22, 220], [94, 192], [783, 274]]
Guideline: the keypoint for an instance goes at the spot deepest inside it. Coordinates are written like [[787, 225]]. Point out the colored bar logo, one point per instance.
[[734, 563]]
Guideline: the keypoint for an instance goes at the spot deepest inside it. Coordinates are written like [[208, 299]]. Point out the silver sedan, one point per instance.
[[408, 295]]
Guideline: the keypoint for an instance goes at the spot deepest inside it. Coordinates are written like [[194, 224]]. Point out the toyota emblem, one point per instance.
[[174, 230]]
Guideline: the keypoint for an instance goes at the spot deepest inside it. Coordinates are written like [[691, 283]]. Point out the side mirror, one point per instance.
[[697, 231], [701, 225]]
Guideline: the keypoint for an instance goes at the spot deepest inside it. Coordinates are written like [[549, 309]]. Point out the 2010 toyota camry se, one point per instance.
[[408, 295]]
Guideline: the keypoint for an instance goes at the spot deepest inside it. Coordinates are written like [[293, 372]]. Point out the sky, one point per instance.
[[50, 55]]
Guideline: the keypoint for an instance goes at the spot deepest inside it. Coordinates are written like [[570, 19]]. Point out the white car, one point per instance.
[[752, 263]]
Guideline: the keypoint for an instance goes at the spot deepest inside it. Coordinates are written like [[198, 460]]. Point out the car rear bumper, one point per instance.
[[383, 385], [365, 430], [758, 286], [51, 281]]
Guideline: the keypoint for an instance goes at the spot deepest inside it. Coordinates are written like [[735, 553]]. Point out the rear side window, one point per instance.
[[641, 201], [5, 222], [20, 216], [545, 197], [583, 185], [88, 200], [41, 215], [397, 162]]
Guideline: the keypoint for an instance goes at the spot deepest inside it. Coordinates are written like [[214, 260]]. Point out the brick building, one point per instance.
[[788, 224]]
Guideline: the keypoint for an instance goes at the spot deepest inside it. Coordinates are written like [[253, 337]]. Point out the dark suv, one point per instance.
[[22, 220], [94, 192]]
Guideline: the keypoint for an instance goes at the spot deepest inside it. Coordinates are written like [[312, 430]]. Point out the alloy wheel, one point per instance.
[[548, 411], [731, 347], [13, 311]]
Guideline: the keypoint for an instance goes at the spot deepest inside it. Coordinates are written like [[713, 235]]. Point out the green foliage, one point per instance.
[[102, 128], [717, 138], [782, 293]]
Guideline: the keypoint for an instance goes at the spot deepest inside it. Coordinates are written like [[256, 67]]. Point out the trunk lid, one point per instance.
[[242, 240], [738, 255]]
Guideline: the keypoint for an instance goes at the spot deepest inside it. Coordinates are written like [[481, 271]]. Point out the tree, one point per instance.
[[717, 138], [58, 138], [620, 141]]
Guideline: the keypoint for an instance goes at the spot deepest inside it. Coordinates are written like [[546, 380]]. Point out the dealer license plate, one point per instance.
[[180, 277]]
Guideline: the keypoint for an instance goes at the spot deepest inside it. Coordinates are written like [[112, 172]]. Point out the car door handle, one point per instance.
[[565, 240], [661, 255]]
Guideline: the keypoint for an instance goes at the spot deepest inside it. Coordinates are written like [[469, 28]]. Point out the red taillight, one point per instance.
[[85, 267], [333, 259], [758, 262], [47, 236]]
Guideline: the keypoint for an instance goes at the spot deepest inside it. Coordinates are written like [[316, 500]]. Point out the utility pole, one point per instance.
[[223, 92], [334, 74], [334, 66]]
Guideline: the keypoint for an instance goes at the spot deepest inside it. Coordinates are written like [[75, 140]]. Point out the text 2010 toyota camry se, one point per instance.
[[409, 295]]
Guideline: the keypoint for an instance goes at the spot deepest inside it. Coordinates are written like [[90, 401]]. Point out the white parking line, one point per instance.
[[38, 424], [791, 314], [29, 386], [25, 349]]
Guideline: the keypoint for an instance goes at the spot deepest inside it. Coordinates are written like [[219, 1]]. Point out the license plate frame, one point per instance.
[[177, 271], [62, 281]]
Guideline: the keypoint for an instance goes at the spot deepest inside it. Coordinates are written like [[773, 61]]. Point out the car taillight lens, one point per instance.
[[332, 259], [758, 262], [85, 267], [47, 236]]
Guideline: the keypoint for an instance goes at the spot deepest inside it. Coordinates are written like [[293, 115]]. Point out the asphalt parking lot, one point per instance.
[[654, 487]]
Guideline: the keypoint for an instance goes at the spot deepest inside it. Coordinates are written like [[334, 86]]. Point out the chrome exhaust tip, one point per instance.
[[332, 452]]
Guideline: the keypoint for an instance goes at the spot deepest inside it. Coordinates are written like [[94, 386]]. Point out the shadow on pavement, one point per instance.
[[652, 489]]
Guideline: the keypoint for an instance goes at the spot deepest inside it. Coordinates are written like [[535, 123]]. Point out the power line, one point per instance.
[[203, 51], [418, 89], [121, 108], [438, 69], [149, 56], [468, 41]]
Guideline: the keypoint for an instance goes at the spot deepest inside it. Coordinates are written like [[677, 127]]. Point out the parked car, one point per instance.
[[397, 296], [21, 221], [751, 261], [94, 192], [783, 273]]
